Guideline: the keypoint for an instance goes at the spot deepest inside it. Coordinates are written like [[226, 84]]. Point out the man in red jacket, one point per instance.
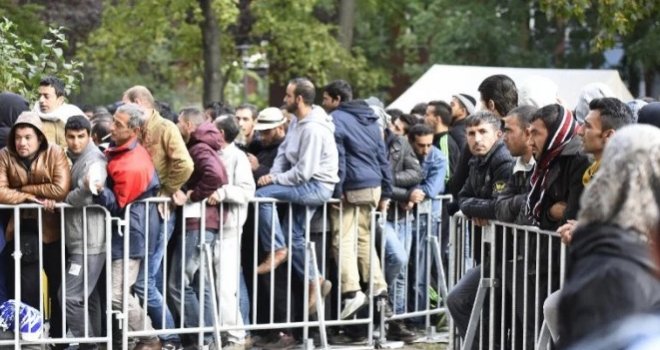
[[204, 141]]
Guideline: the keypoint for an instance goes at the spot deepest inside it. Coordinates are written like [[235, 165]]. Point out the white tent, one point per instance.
[[441, 82]]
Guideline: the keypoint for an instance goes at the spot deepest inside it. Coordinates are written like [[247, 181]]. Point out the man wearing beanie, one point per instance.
[[462, 105]]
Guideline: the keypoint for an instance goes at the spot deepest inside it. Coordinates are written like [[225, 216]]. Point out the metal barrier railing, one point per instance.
[[518, 267], [442, 256]]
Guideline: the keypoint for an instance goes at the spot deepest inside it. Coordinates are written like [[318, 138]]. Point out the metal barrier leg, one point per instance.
[[320, 303], [214, 300], [544, 338], [484, 285], [432, 336]]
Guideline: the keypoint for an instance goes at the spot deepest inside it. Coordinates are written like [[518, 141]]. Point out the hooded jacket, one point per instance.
[[488, 178], [610, 275], [131, 178], [53, 122], [81, 196], [362, 155], [209, 173], [46, 177], [406, 170], [238, 191], [265, 155], [309, 152], [11, 106]]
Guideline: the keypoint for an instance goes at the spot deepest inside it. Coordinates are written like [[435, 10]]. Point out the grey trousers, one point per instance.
[[136, 316], [77, 302]]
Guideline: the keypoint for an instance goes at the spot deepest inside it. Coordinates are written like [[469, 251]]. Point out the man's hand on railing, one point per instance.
[[566, 231], [179, 198], [383, 205], [417, 196], [481, 222]]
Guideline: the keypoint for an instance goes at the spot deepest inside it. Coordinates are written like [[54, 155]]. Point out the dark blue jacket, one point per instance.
[[137, 217], [362, 154]]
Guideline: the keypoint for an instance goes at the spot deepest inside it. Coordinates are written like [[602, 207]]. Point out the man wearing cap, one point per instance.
[[462, 105], [32, 170], [270, 125]]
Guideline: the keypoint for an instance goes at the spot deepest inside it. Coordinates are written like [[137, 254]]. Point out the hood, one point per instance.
[[31, 119], [588, 93], [573, 147], [360, 110], [11, 106], [91, 147], [207, 133], [318, 117], [601, 239], [60, 114]]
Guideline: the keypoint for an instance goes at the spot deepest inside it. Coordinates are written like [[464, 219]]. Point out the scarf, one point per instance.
[[590, 172], [559, 135]]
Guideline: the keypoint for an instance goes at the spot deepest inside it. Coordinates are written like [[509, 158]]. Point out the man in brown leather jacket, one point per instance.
[[34, 171]]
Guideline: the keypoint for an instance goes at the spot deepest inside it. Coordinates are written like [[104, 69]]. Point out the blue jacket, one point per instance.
[[362, 154], [137, 216], [434, 168]]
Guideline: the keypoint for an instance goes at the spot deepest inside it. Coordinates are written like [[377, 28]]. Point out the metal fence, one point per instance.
[[199, 287]]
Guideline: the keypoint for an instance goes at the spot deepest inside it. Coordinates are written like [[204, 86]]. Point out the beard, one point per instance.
[[291, 108]]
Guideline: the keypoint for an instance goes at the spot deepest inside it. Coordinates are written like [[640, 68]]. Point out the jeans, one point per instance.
[[184, 281], [420, 282], [306, 198], [244, 300], [398, 240], [156, 306], [76, 297]]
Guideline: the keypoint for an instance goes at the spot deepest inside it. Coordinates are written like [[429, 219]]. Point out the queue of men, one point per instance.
[[516, 160]]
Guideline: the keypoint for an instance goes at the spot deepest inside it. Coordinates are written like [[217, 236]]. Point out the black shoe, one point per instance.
[[398, 331], [282, 341], [344, 338]]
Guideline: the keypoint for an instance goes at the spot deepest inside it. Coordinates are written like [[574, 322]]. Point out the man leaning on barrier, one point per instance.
[[131, 177], [490, 169], [88, 163], [34, 170]]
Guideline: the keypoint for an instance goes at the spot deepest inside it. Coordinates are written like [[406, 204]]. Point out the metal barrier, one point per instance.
[[518, 268], [204, 262]]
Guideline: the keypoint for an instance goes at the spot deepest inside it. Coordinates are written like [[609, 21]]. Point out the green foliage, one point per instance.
[[23, 64]]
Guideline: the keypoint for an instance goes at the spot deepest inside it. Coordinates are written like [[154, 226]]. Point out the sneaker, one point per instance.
[[326, 286], [353, 305], [272, 261], [282, 341], [397, 331], [148, 344]]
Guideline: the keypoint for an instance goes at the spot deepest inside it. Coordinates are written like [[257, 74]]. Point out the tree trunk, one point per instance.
[[346, 23], [213, 87]]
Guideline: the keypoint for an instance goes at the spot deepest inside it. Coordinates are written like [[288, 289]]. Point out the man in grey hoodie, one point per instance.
[[83, 242], [304, 173]]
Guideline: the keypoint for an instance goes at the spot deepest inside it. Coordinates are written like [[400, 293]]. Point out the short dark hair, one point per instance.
[[339, 89], [419, 108], [523, 114], [101, 129], [549, 115], [614, 114], [395, 113], [304, 88], [250, 107], [229, 126], [418, 130], [56, 83], [442, 110], [483, 117], [502, 90], [410, 120], [218, 108], [78, 122]]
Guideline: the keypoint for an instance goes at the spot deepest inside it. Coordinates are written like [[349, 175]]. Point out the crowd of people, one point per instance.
[[515, 155]]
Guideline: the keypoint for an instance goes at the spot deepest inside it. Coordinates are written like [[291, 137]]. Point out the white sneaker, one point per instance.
[[353, 305]]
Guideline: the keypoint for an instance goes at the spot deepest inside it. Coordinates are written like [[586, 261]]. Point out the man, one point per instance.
[[204, 141], [216, 109], [270, 126], [498, 94], [235, 196], [510, 206], [33, 170], [434, 167], [606, 116], [304, 173], [131, 178], [84, 261], [462, 105], [364, 184], [556, 184], [439, 117], [245, 116], [52, 110], [162, 139], [490, 168]]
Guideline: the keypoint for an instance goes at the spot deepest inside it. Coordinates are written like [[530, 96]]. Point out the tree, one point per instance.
[[23, 64]]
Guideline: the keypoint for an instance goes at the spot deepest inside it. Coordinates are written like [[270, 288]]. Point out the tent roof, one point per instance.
[[441, 82]]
